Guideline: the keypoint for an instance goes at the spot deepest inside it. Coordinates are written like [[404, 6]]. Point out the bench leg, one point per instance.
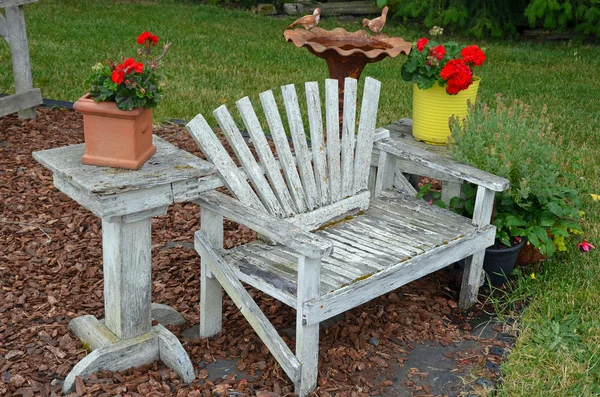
[[307, 336], [472, 277], [211, 292]]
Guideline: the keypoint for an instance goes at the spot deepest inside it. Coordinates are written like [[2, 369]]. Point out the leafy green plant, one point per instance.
[[130, 84], [513, 142], [496, 18], [583, 15]]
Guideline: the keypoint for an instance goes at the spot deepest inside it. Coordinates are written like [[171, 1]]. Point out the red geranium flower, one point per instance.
[[118, 74], [147, 36], [473, 54], [458, 76], [130, 65], [421, 43], [438, 52]]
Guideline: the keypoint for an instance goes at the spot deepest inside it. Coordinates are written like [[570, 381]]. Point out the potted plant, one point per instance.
[[540, 208], [117, 111], [443, 83]]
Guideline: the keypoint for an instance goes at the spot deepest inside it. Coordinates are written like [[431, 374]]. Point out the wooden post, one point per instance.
[[450, 190], [307, 336], [211, 292], [19, 49], [473, 273], [385, 172], [127, 277]]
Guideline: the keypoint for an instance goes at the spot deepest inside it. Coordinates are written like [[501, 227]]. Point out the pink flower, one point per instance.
[[585, 246]]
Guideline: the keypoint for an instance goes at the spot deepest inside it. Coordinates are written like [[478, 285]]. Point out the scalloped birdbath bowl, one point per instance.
[[347, 53]]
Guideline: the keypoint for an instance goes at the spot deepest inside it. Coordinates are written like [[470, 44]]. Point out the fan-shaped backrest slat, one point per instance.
[[244, 155], [283, 150], [332, 116], [366, 129], [303, 156], [270, 165], [348, 136], [226, 168], [315, 122]]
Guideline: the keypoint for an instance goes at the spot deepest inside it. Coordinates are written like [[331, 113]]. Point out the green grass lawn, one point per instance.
[[220, 55]]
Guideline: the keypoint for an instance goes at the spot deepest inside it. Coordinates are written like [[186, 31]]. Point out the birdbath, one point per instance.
[[347, 53]]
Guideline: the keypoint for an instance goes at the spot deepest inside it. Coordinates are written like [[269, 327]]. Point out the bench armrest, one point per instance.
[[443, 164], [278, 230]]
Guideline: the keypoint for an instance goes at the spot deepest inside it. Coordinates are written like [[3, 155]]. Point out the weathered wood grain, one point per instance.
[[249, 309], [443, 164], [348, 136], [270, 165], [92, 332], [125, 354], [283, 150], [395, 276], [332, 120], [10, 3], [127, 266], [166, 315], [19, 52], [307, 335], [312, 220], [173, 354], [366, 130], [473, 271], [23, 100], [315, 122], [3, 28], [253, 171], [211, 292], [170, 164], [385, 173], [303, 156], [275, 229], [224, 165]]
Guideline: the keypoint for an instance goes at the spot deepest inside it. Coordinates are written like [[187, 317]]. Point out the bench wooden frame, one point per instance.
[[12, 29], [340, 231]]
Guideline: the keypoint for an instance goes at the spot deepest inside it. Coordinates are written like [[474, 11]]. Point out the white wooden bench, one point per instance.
[[12, 29], [333, 244]]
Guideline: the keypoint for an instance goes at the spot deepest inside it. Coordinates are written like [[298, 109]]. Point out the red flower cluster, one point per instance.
[[473, 54], [421, 43], [438, 52], [128, 66], [146, 38], [458, 76]]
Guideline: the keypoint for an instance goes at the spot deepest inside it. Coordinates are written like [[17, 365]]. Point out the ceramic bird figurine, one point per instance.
[[308, 21], [375, 25]]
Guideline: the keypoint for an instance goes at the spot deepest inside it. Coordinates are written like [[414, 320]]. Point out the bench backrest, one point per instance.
[[325, 176]]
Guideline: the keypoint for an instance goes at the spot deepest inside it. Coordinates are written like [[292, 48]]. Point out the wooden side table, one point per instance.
[[126, 201]]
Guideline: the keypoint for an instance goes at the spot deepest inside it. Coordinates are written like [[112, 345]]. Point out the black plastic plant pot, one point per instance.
[[499, 263]]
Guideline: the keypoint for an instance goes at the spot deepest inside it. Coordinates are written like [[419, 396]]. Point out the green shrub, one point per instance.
[[513, 142], [496, 18], [583, 15], [499, 18]]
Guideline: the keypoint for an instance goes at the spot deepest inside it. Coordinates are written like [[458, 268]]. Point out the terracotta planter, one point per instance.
[[114, 137], [432, 109], [529, 255]]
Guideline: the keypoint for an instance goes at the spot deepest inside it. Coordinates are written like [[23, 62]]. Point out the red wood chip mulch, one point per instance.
[[51, 272]]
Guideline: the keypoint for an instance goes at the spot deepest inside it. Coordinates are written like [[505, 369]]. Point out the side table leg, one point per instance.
[[126, 250]]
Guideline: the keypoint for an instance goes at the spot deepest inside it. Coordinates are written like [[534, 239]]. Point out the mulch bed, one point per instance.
[[51, 272]]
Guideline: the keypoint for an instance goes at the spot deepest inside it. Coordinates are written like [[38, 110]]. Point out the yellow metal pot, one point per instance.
[[432, 108]]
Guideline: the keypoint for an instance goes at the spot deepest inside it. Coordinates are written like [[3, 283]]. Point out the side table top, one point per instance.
[[169, 165], [401, 130]]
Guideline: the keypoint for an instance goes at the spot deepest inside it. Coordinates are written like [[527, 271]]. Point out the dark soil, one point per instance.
[[51, 272]]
